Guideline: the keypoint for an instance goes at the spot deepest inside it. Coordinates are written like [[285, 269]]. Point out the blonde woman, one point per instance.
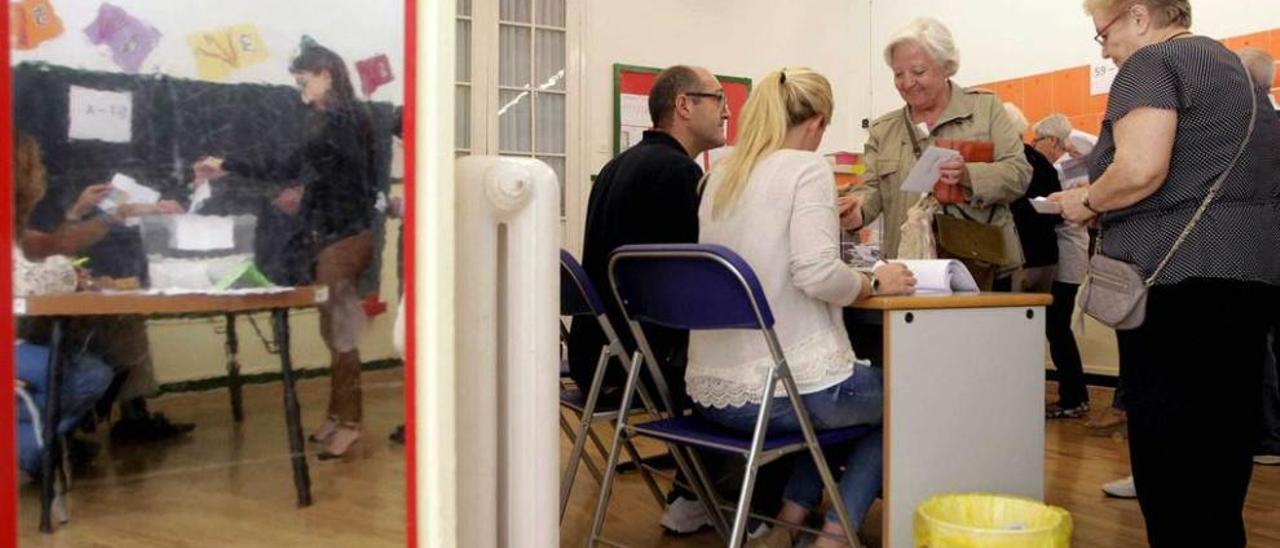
[[773, 201]]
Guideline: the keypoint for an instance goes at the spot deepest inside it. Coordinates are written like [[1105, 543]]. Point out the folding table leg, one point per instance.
[[49, 457], [293, 420], [233, 370], [53, 411]]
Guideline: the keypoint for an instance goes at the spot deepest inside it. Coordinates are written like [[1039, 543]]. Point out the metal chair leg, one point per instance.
[[753, 466], [644, 473], [571, 471]]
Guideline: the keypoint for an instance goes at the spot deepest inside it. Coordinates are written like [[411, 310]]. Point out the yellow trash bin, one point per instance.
[[980, 520]]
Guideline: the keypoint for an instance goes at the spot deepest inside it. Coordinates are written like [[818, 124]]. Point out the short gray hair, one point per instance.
[[931, 35], [1055, 126], [1261, 67], [1016, 117]]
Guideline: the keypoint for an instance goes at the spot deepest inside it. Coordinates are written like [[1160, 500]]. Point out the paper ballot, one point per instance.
[[201, 232], [940, 276], [203, 192], [126, 190], [928, 168], [1043, 205]]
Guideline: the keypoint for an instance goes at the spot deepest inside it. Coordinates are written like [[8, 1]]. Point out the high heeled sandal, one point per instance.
[[321, 435], [342, 449]]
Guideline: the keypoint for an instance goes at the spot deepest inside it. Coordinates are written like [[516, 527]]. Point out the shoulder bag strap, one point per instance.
[[1213, 191]]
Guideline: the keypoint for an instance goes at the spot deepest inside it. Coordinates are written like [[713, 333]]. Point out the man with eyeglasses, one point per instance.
[[646, 195]]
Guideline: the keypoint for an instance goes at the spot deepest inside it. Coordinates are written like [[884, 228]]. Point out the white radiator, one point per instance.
[[507, 309]]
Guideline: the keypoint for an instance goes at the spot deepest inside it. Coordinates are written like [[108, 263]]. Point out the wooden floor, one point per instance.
[[230, 485], [1076, 465]]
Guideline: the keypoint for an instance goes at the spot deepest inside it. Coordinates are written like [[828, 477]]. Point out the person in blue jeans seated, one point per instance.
[[85, 378], [773, 201]]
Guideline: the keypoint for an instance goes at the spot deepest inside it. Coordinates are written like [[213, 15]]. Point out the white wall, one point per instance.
[[745, 38], [355, 30], [1001, 39]]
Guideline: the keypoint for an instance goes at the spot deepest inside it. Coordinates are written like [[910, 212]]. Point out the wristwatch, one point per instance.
[[875, 283]]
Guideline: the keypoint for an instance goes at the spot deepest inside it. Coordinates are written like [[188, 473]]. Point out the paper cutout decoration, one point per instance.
[[130, 39], [33, 22], [100, 115], [220, 51], [374, 72]]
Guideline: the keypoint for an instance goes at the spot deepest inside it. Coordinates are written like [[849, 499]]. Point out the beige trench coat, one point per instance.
[[971, 115]]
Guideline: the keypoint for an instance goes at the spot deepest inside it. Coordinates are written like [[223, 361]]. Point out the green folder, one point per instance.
[[243, 276]]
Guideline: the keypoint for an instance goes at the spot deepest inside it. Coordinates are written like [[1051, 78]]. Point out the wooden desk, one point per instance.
[[61, 308], [964, 398]]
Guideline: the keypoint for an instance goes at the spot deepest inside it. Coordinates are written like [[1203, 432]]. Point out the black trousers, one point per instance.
[[1270, 442], [1193, 379], [1062, 346]]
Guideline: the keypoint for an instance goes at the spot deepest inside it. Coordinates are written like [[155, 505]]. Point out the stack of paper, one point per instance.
[[940, 276]]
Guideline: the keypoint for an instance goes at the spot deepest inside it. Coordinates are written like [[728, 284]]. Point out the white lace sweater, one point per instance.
[[55, 274], [785, 225]]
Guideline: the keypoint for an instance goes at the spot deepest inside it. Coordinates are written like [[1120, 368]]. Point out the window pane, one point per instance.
[[551, 13], [464, 8], [514, 10], [515, 119], [550, 68], [462, 117], [463, 60], [551, 123], [557, 165], [513, 63]]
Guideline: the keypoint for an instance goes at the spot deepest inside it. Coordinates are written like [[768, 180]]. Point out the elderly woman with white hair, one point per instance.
[[1186, 192], [924, 58]]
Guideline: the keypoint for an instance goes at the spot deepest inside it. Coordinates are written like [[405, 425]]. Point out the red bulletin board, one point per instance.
[[631, 80]]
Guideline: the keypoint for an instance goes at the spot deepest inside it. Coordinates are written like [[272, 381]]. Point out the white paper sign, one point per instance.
[[100, 115], [1101, 74], [633, 119], [928, 169], [201, 232]]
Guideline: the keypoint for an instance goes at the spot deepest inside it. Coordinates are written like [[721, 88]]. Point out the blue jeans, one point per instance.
[[859, 400], [84, 379]]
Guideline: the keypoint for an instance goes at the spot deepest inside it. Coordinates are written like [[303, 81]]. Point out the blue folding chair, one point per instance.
[[578, 299], [700, 287]]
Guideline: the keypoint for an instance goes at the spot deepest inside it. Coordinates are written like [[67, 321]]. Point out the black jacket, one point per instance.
[[646, 195], [336, 168], [1036, 230]]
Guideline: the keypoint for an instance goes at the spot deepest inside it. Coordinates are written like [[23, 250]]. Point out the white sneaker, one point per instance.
[[1268, 460], [1121, 488], [760, 531], [684, 516]]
